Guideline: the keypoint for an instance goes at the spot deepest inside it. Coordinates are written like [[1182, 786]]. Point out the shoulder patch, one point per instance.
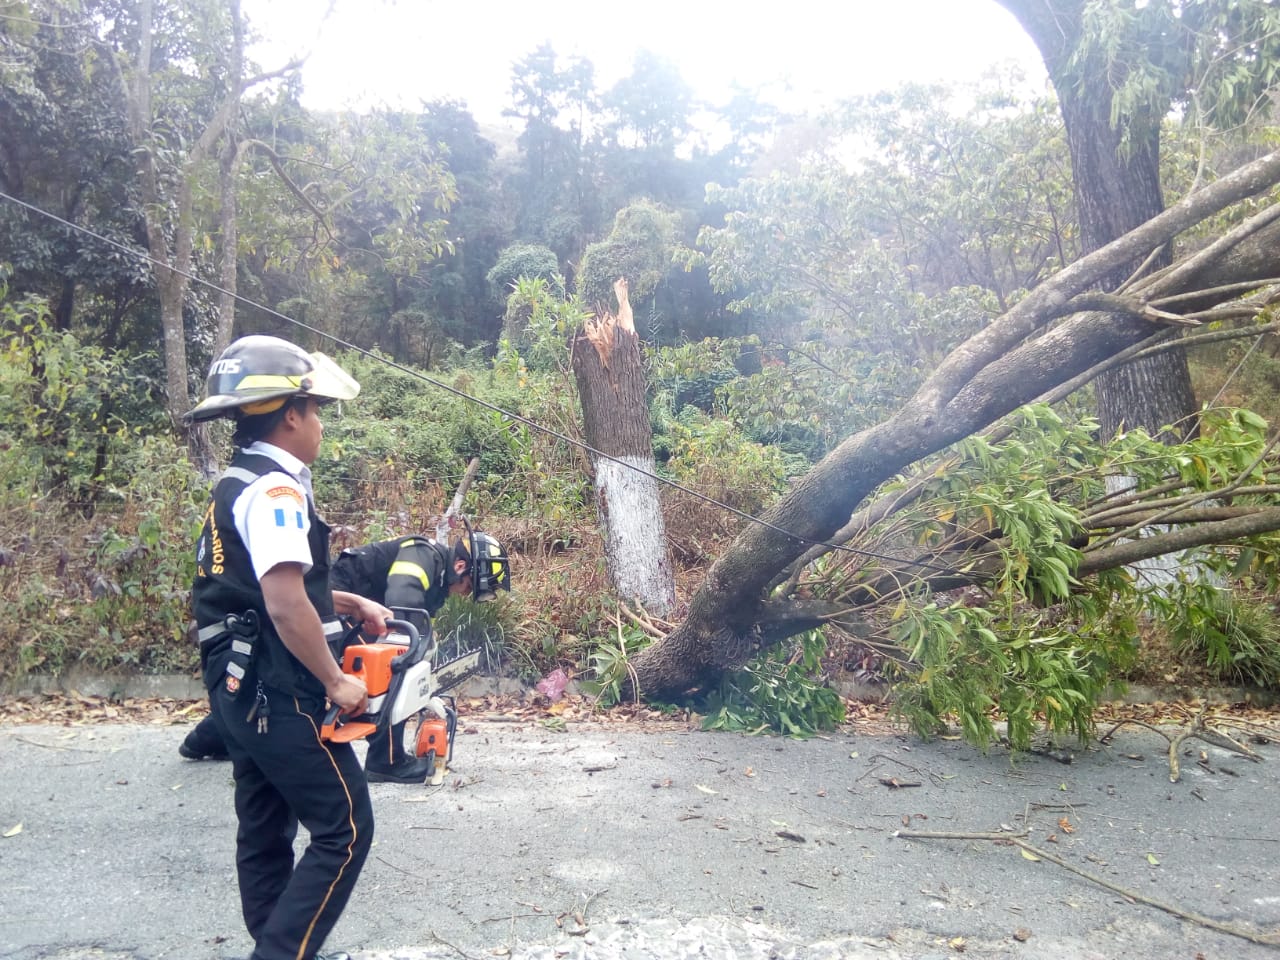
[[276, 492]]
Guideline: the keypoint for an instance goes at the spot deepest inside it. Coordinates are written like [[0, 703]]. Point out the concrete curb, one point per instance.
[[186, 687]]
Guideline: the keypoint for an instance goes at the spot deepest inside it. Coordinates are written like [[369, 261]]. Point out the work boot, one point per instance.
[[204, 743], [407, 770], [389, 762]]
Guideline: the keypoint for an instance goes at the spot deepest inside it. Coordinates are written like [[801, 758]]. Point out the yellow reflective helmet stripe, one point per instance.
[[262, 406], [404, 568], [270, 381]]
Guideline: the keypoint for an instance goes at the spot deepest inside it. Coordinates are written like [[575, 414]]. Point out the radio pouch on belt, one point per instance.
[[236, 633]]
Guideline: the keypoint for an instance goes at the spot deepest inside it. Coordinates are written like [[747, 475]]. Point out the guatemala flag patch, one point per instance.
[[280, 520]]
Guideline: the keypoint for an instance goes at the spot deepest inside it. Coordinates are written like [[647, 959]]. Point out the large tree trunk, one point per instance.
[[170, 241], [1117, 189], [1018, 357], [615, 418], [1115, 168], [233, 151], [170, 287]]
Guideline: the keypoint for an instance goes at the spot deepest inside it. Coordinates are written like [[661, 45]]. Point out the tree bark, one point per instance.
[[233, 150], [169, 286], [1115, 170], [1010, 362], [170, 242], [609, 370]]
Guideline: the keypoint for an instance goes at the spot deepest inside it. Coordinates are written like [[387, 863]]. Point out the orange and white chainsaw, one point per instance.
[[403, 682]]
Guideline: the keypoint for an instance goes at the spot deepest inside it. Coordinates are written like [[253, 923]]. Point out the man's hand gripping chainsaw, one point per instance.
[[401, 683]]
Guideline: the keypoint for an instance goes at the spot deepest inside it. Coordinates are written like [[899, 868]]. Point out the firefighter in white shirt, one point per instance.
[[263, 610]]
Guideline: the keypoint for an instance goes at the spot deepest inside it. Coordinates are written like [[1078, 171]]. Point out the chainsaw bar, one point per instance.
[[452, 672]]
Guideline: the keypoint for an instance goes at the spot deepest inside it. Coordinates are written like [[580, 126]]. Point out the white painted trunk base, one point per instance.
[[635, 536]]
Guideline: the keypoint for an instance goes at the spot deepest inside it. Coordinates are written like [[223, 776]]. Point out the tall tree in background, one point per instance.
[[175, 74], [458, 294], [556, 102], [343, 222], [166, 52], [65, 148], [388, 194], [859, 278], [1118, 67], [648, 119]]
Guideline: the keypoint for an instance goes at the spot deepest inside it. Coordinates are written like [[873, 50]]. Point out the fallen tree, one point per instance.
[[1056, 339]]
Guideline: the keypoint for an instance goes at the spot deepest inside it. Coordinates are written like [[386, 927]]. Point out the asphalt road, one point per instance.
[[619, 841]]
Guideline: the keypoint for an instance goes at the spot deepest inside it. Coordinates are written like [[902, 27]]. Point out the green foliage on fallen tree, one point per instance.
[[1013, 598], [781, 691]]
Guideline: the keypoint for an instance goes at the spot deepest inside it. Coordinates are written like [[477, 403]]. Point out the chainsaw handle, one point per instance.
[[347, 638], [329, 726], [416, 649], [338, 730], [342, 729], [355, 634]]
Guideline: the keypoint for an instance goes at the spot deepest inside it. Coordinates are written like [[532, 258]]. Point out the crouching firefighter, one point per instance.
[[414, 576], [261, 600]]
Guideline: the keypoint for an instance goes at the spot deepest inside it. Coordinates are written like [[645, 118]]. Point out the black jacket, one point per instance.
[[410, 573]]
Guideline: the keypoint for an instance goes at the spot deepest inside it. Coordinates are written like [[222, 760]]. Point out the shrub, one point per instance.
[[97, 515], [70, 414], [1234, 633], [462, 625], [712, 457], [108, 593]]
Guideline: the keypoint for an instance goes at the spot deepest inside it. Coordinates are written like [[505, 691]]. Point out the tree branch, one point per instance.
[[1125, 306], [1263, 520], [277, 164], [1017, 840], [1222, 492], [1045, 303]]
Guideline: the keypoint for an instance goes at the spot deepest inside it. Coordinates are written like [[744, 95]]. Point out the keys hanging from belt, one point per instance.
[[260, 709]]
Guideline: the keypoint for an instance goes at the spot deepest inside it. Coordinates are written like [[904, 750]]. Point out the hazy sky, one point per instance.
[[807, 53]]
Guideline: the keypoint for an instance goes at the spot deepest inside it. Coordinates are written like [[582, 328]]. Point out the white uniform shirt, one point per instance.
[[271, 513]]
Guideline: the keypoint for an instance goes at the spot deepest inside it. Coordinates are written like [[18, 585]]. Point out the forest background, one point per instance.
[[791, 288]]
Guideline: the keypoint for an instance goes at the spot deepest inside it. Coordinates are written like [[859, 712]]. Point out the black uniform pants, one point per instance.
[[284, 776], [386, 749]]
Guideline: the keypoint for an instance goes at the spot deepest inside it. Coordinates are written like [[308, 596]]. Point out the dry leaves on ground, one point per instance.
[[1260, 721], [70, 709], [870, 718], [74, 709]]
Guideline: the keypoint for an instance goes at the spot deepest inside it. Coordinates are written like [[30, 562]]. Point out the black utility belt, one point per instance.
[[246, 625], [236, 634]]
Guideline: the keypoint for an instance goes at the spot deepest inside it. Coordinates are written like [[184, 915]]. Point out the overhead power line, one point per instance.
[[463, 395]]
